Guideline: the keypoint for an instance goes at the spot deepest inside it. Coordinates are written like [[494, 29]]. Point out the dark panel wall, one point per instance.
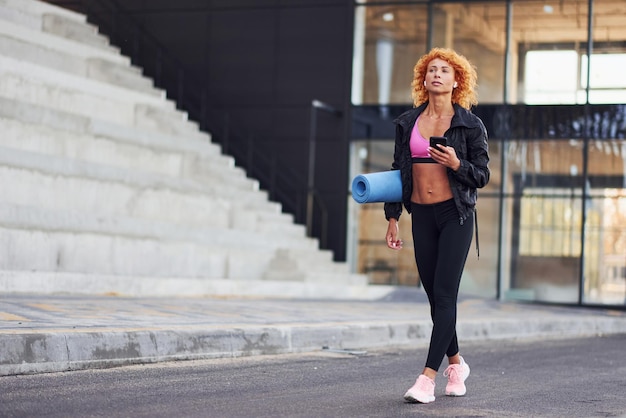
[[263, 62]]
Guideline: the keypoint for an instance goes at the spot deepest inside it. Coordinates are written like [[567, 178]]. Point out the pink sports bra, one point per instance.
[[419, 146]]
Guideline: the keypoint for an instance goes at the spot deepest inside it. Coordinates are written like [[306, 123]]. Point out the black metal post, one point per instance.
[[587, 137], [273, 169], [431, 28], [250, 155], [226, 137], [204, 111], [505, 143], [181, 88], [311, 172], [315, 104], [158, 68]]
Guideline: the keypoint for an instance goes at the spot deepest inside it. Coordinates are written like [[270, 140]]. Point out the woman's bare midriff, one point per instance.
[[430, 184]]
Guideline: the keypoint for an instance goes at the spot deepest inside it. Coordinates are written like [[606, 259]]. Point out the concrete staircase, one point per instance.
[[107, 188]]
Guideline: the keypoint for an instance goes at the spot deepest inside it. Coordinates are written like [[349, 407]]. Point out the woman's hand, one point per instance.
[[391, 238], [445, 156]]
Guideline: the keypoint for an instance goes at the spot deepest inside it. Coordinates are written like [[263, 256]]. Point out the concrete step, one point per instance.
[[29, 45], [38, 129], [74, 30], [293, 264], [25, 88], [32, 137], [23, 282], [64, 250], [19, 29], [325, 277], [197, 142], [61, 143], [278, 225], [19, 17], [70, 184], [119, 74], [59, 24], [323, 259], [71, 94], [110, 110], [56, 21], [35, 84], [156, 118], [49, 220], [36, 239], [123, 76], [39, 8], [28, 113]]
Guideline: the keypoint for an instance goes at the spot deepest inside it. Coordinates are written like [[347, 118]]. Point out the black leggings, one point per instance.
[[441, 245]]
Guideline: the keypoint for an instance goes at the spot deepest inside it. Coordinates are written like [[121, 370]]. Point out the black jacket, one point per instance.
[[468, 136]]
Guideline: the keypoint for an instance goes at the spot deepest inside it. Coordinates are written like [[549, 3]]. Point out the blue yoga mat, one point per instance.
[[385, 186]]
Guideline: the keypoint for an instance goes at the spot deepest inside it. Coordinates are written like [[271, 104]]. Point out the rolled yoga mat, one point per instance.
[[385, 186]]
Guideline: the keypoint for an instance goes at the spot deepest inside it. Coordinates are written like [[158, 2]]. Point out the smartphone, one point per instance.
[[435, 141]]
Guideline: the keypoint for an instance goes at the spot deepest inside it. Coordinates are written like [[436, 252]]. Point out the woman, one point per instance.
[[439, 191]]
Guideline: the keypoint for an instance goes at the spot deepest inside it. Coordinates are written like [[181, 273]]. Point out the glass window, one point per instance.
[[606, 71], [548, 39], [551, 77], [552, 44], [605, 229], [544, 219], [608, 59], [388, 40], [480, 277], [562, 195], [568, 84], [478, 31]]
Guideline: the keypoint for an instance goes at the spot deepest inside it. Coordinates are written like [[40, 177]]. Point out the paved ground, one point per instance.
[[43, 333], [581, 377]]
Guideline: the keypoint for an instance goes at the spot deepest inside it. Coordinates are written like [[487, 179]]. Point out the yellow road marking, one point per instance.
[[5, 316], [46, 307]]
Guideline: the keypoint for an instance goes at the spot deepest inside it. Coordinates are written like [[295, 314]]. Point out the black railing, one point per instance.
[[190, 93]]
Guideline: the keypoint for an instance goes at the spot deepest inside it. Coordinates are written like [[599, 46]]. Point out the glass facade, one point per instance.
[[552, 220]]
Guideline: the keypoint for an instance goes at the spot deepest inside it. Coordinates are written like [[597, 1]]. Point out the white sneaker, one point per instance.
[[456, 374], [423, 391]]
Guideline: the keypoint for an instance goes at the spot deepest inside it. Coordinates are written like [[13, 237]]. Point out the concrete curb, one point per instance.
[[42, 352]]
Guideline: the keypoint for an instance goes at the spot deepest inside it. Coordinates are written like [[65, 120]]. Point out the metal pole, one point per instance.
[[250, 154], [226, 136], [181, 88], [315, 104], [505, 141], [273, 177], [587, 137], [311, 173], [431, 29], [158, 67]]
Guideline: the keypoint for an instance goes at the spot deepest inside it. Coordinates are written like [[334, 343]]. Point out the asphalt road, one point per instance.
[[558, 378]]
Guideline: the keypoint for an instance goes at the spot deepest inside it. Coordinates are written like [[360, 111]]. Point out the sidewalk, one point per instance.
[[44, 333]]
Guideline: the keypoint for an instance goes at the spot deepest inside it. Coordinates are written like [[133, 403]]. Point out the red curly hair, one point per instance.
[[464, 72]]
